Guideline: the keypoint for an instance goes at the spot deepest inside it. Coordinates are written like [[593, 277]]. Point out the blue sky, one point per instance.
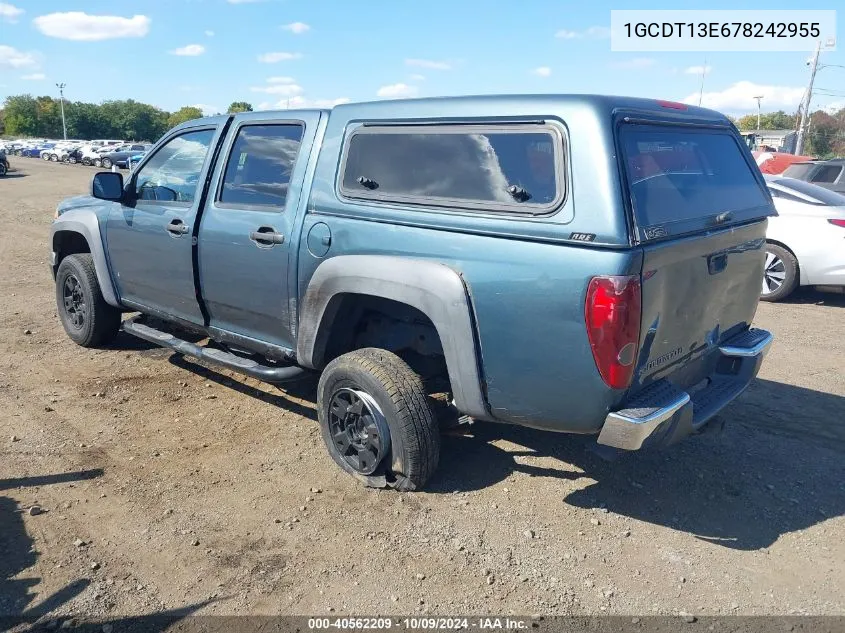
[[275, 53]]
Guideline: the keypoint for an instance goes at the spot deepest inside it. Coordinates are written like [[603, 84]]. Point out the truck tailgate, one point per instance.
[[697, 292]]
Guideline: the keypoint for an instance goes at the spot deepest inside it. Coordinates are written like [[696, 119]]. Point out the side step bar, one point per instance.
[[234, 362]]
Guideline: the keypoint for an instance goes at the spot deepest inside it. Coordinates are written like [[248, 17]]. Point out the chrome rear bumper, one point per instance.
[[663, 413]]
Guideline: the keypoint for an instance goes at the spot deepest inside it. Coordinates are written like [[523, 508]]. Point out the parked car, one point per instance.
[[73, 156], [120, 156], [35, 151], [134, 159], [806, 241], [580, 264], [829, 174], [4, 163]]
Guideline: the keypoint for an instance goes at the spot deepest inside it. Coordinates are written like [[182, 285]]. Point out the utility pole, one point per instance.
[[760, 98], [701, 89], [61, 88], [805, 112]]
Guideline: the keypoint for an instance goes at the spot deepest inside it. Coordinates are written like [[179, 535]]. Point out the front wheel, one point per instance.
[[54, 158], [780, 273], [98, 162], [88, 320], [72, 160], [3, 169], [45, 156], [86, 162], [376, 420], [107, 163]]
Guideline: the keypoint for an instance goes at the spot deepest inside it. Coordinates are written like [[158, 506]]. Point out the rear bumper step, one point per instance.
[[225, 359], [663, 413]]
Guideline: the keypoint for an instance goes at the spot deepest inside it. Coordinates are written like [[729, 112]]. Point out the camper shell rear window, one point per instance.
[[682, 179]]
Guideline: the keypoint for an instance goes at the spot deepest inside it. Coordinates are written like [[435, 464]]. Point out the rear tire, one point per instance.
[[88, 320], [54, 158], [106, 163], [98, 162], [387, 394], [2, 169], [780, 273]]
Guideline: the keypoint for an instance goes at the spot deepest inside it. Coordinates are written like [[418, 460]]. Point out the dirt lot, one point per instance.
[[167, 487]]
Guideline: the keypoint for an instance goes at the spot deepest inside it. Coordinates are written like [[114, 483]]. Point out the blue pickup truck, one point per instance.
[[575, 263]]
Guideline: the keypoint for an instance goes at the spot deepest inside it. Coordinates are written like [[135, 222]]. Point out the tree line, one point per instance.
[[25, 115], [825, 136], [41, 117]]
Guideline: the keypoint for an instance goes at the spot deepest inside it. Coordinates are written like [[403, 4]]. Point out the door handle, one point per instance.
[[266, 236], [177, 228]]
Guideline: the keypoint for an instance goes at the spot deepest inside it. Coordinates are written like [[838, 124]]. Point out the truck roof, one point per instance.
[[488, 105]]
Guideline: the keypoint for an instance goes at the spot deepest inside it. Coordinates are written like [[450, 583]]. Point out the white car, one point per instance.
[[805, 243]]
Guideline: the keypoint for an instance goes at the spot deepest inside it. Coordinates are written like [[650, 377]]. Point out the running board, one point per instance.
[[228, 360]]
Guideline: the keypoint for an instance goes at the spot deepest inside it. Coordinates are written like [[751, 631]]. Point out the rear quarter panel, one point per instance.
[[526, 278]]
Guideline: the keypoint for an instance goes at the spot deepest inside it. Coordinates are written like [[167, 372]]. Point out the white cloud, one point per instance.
[[286, 89], [79, 26], [834, 107], [397, 91], [301, 102], [739, 97], [9, 13], [209, 33], [698, 70], [637, 63], [542, 71], [281, 80], [297, 27], [272, 58], [34, 77], [207, 110], [428, 63], [191, 50], [13, 58], [594, 32]]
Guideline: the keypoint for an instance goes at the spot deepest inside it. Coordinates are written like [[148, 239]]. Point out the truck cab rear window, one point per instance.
[[686, 177], [485, 168]]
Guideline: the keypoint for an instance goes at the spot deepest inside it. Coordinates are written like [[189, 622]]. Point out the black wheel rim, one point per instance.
[[74, 300], [358, 430], [774, 273]]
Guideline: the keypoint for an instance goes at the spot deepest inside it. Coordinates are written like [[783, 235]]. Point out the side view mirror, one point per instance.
[[107, 185]]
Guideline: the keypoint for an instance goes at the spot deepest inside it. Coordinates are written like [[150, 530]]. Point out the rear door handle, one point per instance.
[[177, 228], [267, 236]]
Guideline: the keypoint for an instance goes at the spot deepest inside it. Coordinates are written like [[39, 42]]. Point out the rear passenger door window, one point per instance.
[[826, 174], [260, 164], [488, 168]]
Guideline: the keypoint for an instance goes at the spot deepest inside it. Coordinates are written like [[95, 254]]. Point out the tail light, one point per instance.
[[612, 314], [838, 223]]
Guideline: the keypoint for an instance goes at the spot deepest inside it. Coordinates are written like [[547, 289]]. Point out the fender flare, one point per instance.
[[86, 223], [431, 287]]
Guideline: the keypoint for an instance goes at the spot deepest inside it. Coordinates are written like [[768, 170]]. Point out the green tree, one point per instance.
[[183, 114], [747, 122], [21, 115], [779, 120], [239, 106]]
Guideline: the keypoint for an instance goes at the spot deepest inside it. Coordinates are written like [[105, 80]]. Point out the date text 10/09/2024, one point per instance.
[[419, 624]]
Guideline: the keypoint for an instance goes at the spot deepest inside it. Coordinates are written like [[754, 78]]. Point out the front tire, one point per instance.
[[2, 169], [88, 320], [107, 163], [780, 273], [376, 420], [98, 162]]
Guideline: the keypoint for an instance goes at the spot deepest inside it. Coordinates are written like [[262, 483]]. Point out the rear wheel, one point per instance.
[[2, 169], [98, 162], [45, 156], [88, 320], [54, 158], [107, 163], [72, 160], [376, 420], [780, 273]]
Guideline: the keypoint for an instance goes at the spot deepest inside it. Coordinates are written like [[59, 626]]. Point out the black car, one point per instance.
[[121, 157], [829, 174], [4, 163]]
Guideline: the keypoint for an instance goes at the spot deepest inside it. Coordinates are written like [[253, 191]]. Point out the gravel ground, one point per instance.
[[166, 487]]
